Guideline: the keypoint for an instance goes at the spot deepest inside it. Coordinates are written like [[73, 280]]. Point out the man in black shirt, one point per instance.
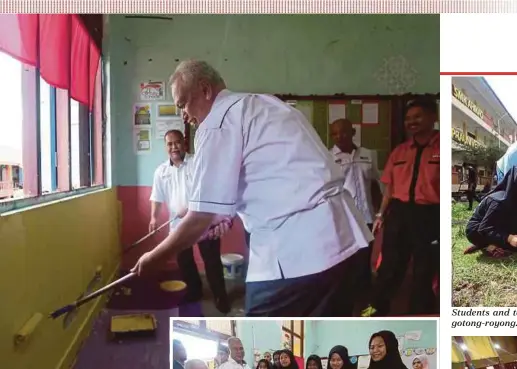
[[472, 180]]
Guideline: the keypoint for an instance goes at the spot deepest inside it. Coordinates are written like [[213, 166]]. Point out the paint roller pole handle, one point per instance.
[[150, 234], [104, 289]]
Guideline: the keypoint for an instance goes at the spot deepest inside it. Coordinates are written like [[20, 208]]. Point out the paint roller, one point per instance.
[[70, 307], [28, 329]]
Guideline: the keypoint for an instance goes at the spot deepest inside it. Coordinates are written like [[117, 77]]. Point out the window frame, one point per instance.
[[291, 331], [202, 331], [31, 137]]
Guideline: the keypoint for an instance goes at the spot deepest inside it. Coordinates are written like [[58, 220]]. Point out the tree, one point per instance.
[[479, 155]]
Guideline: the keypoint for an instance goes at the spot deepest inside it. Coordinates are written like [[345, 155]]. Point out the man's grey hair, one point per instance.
[[195, 364], [192, 71], [233, 339]]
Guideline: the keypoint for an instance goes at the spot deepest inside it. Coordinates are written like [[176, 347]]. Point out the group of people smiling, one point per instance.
[[383, 349]]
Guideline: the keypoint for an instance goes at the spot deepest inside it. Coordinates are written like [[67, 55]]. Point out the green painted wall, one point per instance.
[[297, 54]]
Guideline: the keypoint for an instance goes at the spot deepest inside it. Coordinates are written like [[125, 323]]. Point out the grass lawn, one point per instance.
[[477, 280]]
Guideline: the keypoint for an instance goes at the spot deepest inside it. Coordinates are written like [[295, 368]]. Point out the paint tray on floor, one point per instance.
[[133, 325]]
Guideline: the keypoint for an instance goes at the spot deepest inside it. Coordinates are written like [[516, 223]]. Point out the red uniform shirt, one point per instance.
[[413, 172]]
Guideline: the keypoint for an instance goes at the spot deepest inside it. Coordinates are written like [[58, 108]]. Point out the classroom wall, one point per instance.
[[321, 336], [282, 54], [264, 335], [49, 254], [355, 335]]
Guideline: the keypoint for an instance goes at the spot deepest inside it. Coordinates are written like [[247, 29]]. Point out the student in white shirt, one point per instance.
[[260, 158], [236, 359], [171, 187]]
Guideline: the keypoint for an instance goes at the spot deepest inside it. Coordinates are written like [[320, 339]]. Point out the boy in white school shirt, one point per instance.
[[260, 158]]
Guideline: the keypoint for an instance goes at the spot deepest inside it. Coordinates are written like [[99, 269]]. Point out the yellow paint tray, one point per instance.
[[133, 325]]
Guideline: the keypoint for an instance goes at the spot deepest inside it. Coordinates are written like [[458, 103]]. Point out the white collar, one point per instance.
[[336, 150], [186, 159]]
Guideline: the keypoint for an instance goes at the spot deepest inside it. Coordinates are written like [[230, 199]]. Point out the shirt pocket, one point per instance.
[[400, 170], [433, 164]]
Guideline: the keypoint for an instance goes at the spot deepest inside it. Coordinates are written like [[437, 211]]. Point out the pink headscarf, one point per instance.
[[423, 359]]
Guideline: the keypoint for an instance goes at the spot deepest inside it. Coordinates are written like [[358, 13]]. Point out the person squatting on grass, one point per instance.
[[492, 228]]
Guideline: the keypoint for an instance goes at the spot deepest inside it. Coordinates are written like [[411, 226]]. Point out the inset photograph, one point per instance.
[[299, 344], [484, 352], [484, 191]]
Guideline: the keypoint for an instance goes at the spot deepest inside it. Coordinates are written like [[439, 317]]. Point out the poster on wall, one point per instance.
[[305, 107], [410, 355], [370, 113], [152, 91], [336, 111], [167, 110], [141, 114], [142, 140], [164, 125]]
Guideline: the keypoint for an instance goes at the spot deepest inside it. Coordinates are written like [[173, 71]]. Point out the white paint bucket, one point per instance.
[[233, 265]]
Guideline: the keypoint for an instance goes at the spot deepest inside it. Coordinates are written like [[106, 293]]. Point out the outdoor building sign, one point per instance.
[[460, 95], [460, 137]]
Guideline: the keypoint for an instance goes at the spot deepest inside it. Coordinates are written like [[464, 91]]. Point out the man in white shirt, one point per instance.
[[171, 187], [260, 158], [359, 167], [236, 359]]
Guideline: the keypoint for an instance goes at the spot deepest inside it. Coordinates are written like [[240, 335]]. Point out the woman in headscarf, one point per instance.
[[338, 358], [313, 362], [276, 359], [421, 362], [384, 351], [287, 360], [264, 364], [493, 226]]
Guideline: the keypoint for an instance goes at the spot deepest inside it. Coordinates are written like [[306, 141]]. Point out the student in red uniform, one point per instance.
[[410, 214]]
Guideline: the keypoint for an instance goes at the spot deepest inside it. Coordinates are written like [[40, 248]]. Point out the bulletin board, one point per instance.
[[378, 119]]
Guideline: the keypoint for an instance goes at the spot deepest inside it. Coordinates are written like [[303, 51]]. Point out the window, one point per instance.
[[293, 336], [47, 138], [74, 144], [225, 327], [197, 347], [50, 142], [11, 173], [216, 329]]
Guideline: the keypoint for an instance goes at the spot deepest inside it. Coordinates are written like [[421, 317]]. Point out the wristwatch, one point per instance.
[[378, 215]]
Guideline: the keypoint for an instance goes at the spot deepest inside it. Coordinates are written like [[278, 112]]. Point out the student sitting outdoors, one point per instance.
[[493, 226]]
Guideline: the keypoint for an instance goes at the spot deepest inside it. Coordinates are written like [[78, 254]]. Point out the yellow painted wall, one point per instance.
[[48, 255]]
